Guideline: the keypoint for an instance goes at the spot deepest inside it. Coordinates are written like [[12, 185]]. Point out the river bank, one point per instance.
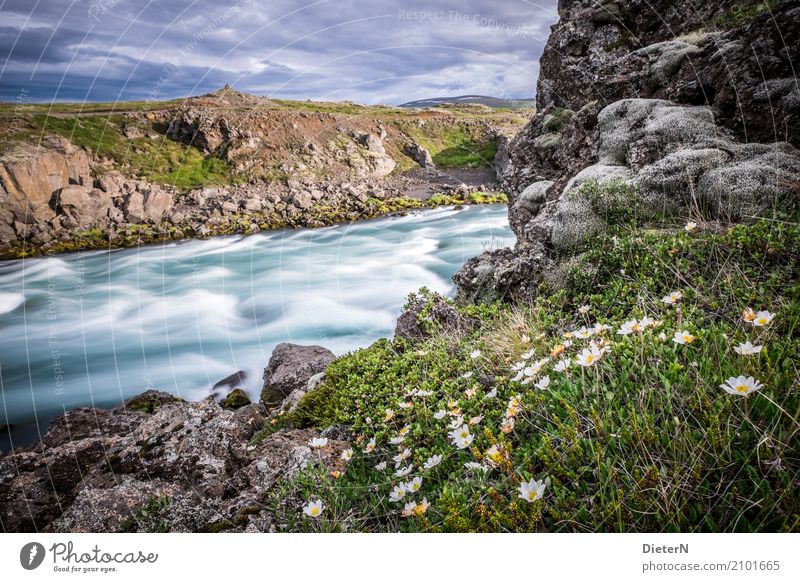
[[179, 316]]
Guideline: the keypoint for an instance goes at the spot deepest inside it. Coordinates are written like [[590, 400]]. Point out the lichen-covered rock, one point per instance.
[[428, 313], [290, 367], [652, 159], [185, 467]]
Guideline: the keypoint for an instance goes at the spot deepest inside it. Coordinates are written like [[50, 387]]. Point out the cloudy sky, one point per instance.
[[369, 51]]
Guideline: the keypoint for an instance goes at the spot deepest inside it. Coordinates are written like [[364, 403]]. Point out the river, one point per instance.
[[97, 327]]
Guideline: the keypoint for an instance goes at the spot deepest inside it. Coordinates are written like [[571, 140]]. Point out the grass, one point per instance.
[[159, 160], [454, 145], [643, 440]]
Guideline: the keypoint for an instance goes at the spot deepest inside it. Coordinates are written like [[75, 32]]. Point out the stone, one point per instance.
[[290, 367], [236, 399], [86, 206], [428, 314]]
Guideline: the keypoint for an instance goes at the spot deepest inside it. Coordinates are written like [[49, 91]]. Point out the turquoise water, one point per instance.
[[101, 326]]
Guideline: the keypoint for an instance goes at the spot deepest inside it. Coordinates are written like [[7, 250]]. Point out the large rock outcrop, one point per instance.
[[659, 108], [154, 464]]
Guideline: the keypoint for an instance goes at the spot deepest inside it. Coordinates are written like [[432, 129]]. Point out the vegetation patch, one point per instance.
[[658, 393], [154, 158]]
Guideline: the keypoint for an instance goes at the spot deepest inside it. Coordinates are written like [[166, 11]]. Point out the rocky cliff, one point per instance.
[[674, 109]]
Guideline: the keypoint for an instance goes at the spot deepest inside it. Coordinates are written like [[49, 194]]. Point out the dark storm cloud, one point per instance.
[[364, 50]]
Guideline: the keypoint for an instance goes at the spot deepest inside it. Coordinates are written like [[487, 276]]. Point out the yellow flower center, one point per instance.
[[589, 359], [315, 511], [688, 338], [761, 321], [743, 388], [532, 495]]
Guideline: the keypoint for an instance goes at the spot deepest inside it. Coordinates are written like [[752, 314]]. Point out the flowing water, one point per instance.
[[97, 327]]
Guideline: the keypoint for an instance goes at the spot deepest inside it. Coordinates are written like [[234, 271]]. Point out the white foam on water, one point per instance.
[[183, 316]]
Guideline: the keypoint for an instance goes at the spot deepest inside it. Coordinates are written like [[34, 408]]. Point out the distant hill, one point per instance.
[[493, 102]]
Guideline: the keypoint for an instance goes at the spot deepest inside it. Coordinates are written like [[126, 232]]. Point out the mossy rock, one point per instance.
[[148, 401], [236, 399]]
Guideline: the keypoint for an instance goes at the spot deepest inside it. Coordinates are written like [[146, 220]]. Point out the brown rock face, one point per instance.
[[34, 175]]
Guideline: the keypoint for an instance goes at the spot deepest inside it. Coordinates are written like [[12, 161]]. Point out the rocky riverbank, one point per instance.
[[86, 181], [159, 463]]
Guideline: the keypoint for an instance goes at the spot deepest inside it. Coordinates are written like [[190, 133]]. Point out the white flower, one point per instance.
[[347, 454], [406, 405], [370, 446], [409, 509], [741, 386], [600, 328], [531, 490], [470, 392], [318, 442], [628, 327], [313, 508], [404, 431], [583, 309], [389, 415], [646, 322], [683, 337], [529, 354], [467, 375], [460, 432], [400, 457], [562, 365], [747, 349], [398, 493], [491, 394], [583, 333], [432, 461], [475, 354], [543, 383], [672, 298], [464, 442], [475, 420], [525, 339], [414, 485], [662, 336], [405, 471], [763, 318], [588, 357], [381, 466], [456, 422], [424, 393], [440, 414], [690, 226], [473, 466], [398, 440]]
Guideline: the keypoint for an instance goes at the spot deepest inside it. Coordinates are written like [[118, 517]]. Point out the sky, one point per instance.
[[367, 51]]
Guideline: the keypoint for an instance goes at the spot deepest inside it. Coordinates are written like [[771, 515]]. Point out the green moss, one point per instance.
[[236, 399]]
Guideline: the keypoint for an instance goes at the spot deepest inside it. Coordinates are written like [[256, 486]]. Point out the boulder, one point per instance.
[[85, 206], [419, 154], [425, 314], [290, 367], [236, 399]]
